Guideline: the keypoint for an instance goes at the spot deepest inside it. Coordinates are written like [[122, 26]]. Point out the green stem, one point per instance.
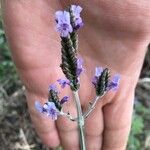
[[92, 106], [80, 121]]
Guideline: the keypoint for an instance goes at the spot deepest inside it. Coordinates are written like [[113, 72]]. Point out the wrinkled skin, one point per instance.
[[116, 35]]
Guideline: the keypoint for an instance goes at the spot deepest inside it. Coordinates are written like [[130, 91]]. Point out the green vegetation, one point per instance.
[[140, 128], [8, 75]]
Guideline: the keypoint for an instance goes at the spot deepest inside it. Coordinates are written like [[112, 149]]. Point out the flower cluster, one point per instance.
[[63, 23], [48, 109], [53, 107], [77, 20], [102, 82], [67, 22]]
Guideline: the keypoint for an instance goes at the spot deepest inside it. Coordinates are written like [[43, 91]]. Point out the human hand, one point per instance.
[[112, 37]]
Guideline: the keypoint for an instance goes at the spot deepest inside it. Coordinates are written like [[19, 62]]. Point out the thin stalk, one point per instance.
[[80, 120], [92, 106], [67, 115]]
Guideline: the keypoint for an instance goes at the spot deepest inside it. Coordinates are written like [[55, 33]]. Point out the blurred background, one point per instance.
[[16, 130]]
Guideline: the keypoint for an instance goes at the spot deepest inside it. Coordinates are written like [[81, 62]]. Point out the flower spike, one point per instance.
[[69, 63], [53, 96], [100, 80]]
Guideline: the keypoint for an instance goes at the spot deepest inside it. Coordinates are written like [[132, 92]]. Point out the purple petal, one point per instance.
[[80, 62], [63, 25], [53, 87], [98, 71], [51, 105], [52, 113], [64, 100], [67, 17], [63, 82], [79, 66], [78, 24], [45, 106], [116, 78], [38, 106], [48, 109], [58, 15], [52, 110], [76, 10], [114, 84], [79, 71], [94, 80]]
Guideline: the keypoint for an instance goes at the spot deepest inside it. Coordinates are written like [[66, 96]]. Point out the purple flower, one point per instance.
[[38, 106], [79, 66], [114, 83], [76, 10], [48, 109], [53, 87], [63, 82], [64, 100], [63, 25], [98, 72]]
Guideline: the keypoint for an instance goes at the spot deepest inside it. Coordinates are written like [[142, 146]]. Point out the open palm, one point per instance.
[[112, 37]]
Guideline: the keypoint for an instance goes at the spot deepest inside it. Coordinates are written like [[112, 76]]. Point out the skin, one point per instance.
[[116, 35]]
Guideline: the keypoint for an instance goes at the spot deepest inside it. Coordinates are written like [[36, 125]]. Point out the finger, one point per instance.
[[68, 130], [117, 120], [44, 126], [94, 128]]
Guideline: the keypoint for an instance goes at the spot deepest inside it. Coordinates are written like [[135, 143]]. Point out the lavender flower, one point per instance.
[[114, 83], [38, 106], [77, 20], [48, 109], [100, 80], [63, 25], [64, 100], [98, 72], [79, 66], [63, 82], [53, 87], [53, 96]]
